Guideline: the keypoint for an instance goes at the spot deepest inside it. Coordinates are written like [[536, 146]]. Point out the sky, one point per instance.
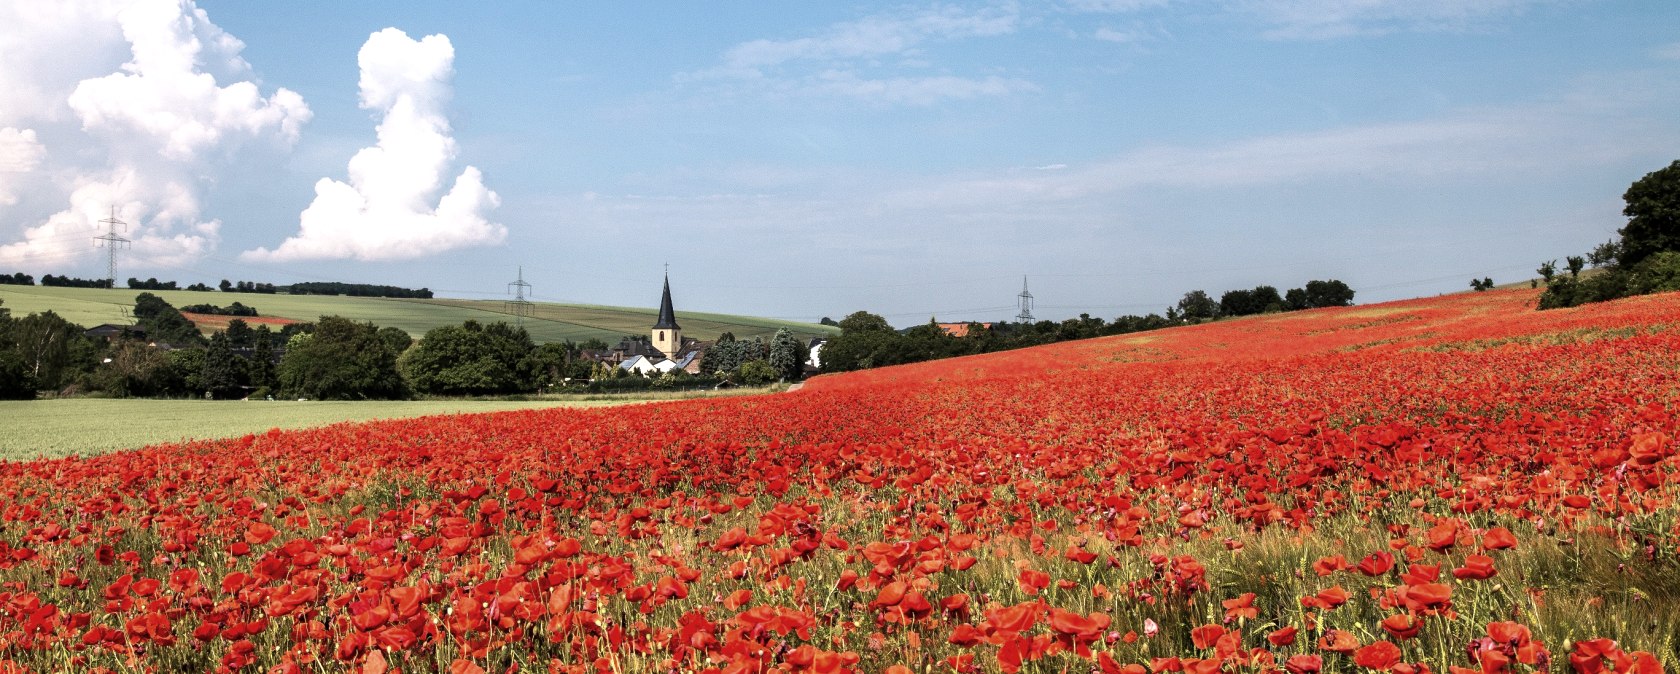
[[802, 160]]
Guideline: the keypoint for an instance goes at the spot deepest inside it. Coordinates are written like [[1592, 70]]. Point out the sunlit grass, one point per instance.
[[49, 428]]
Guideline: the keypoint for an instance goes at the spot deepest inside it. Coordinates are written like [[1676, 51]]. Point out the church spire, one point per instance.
[[667, 315]]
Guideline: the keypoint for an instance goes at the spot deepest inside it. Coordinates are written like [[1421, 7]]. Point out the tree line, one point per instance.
[[235, 309], [68, 282], [755, 362], [227, 286], [1645, 260], [357, 290], [867, 340], [150, 284], [334, 358]]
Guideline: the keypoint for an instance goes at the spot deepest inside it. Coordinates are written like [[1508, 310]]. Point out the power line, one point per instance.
[[1026, 303], [519, 306], [111, 242]]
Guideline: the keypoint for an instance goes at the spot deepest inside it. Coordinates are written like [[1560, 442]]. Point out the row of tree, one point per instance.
[[235, 309], [68, 282], [755, 362], [1645, 260], [150, 284], [165, 355], [226, 286], [867, 340], [1197, 306], [357, 290]]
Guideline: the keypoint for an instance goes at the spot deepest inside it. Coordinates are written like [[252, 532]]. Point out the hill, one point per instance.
[[551, 322], [1317, 489]]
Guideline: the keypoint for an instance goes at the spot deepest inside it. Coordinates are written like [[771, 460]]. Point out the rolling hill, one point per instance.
[[550, 322]]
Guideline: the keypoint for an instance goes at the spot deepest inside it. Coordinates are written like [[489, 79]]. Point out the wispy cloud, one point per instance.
[[874, 36], [846, 58], [1329, 19], [916, 90], [1115, 5], [1578, 131], [1107, 34], [1667, 52]]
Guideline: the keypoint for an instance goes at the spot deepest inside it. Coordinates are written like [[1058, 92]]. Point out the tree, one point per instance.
[[261, 368], [548, 365], [1655, 274], [163, 323], [1296, 299], [1547, 270], [239, 334], [224, 372], [865, 341], [52, 348], [785, 355], [396, 339], [1576, 263], [928, 341], [1331, 293], [1653, 212], [1196, 306], [470, 359], [1248, 302], [757, 373], [340, 360], [1604, 254], [136, 369], [863, 321], [16, 381]]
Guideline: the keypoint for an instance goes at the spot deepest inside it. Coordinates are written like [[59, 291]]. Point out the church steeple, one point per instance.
[[667, 315], [667, 335]]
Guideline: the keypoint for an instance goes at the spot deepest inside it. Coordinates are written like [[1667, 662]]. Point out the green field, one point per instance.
[[46, 428], [551, 322]]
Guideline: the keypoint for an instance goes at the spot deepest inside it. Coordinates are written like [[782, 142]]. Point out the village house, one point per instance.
[[664, 350], [960, 329]]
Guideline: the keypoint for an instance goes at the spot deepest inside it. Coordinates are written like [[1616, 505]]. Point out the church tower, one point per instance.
[[667, 336]]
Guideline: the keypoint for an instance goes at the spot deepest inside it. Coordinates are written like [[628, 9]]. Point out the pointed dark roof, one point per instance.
[[667, 315]]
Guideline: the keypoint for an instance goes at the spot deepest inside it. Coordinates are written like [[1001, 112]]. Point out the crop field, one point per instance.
[[1453, 484], [551, 322], [55, 428]]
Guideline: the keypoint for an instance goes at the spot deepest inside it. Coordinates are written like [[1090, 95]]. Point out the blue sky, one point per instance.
[[803, 160]]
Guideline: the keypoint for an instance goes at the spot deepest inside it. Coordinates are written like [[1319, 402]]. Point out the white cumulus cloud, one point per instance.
[[20, 153], [386, 211], [148, 97]]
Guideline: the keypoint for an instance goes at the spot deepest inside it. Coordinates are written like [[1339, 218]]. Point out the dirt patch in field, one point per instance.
[[215, 322]]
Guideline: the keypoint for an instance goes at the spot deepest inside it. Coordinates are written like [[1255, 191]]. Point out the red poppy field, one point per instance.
[[1454, 484]]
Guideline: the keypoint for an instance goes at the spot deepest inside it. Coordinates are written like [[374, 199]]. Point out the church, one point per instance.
[[665, 349]]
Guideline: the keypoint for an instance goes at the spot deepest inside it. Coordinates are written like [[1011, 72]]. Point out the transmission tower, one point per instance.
[[519, 306], [1026, 303], [111, 241]]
